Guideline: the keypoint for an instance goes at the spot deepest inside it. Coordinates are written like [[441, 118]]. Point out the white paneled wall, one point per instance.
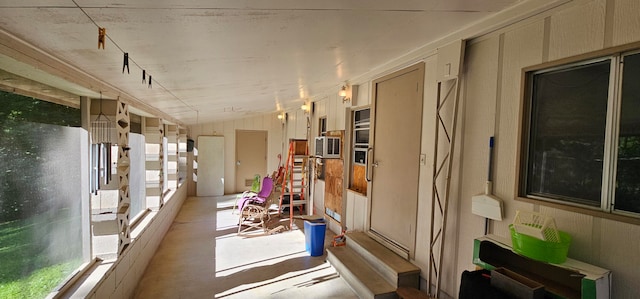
[[356, 211], [626, 23], [576, 30], [492, 98], [275, 144]]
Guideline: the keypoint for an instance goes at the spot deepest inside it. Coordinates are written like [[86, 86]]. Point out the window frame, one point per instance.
[[614, 100]]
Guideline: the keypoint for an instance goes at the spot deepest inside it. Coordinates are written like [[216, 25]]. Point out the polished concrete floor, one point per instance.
[[201, 256]]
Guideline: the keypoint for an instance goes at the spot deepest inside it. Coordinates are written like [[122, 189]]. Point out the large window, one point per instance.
[[42, 151], [583, 134], [137, 184]]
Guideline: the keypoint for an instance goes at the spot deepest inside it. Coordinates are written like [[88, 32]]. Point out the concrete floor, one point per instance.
[[202, 257]]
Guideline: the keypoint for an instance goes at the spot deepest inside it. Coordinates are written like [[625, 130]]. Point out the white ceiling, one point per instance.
[[218, 60]]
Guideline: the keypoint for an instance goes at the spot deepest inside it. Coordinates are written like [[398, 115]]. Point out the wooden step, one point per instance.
[[360, 276], [396, 270]]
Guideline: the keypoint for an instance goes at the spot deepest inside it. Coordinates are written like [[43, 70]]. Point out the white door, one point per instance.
[[210, 172], [397, 128]]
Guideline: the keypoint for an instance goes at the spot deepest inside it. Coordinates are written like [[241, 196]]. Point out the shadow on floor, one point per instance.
[[268, 273]]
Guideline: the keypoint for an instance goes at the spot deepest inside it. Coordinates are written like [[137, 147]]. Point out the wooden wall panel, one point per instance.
[[359, 182], [333, 185]]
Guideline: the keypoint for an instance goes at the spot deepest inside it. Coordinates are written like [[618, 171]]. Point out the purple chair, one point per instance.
[[254, 207]]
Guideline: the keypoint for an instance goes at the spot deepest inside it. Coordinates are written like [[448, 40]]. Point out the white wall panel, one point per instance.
[[424, 189], [321, 108], [626, 21], [318, 197], [229, 134], [522, 47], [364, 96], [619, 247], [575, 28], [350, 209], [578, 29], [479, 96], [301, 124], [227, 129], [332, 113], [359, 212]]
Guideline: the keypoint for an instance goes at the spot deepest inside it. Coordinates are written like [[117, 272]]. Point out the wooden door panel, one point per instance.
[[251, 157]]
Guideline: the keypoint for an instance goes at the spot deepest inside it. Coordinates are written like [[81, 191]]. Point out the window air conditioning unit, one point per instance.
[[328, 147]]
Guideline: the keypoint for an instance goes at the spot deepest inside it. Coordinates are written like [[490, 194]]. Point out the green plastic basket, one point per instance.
[[540, 250]]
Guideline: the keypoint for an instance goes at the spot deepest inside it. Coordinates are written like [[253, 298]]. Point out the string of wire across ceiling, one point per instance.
[[128, 59]]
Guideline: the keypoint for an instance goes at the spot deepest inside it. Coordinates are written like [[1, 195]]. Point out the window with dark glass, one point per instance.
[[577, 114], [627, 195], [568, 121]]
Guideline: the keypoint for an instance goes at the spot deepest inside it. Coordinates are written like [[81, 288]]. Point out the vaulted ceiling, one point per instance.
[[225, 59]]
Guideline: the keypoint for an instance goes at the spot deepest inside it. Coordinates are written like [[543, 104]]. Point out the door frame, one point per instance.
[[407, 253]]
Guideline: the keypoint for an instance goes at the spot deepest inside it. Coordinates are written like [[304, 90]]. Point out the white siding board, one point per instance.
[[301, 124], [229, 134], [332, 113], [266, 122], [291, 123], [578, 29], [579, 226], [238, 124], [522, 47], [359, 213], [321, 108], [626, 22], [275, 143], [318, 197], [479, 96], [341, 113], [364, 96], [218, 128], [620, 246], [349, 221], [425, 181]]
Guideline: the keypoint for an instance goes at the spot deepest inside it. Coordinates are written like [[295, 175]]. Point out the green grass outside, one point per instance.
[[39, 284], [26, 271]]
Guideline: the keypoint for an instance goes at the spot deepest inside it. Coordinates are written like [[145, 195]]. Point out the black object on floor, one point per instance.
[[477, 285]]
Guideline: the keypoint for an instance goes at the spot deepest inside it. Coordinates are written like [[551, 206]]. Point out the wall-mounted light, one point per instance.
[[282, 117], [305, 107], [343, 91]]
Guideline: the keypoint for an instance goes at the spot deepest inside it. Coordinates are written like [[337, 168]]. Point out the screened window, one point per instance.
[[137, 184], [42, 152], [627, 195], [575, 114]]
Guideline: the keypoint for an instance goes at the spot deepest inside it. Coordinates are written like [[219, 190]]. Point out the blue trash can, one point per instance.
[[314, 236]]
